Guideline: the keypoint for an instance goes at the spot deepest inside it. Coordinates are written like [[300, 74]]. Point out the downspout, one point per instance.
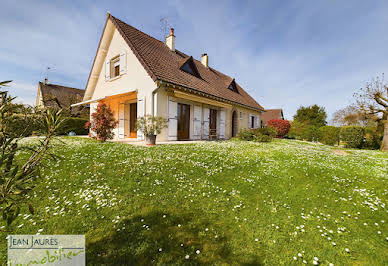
[[153, 97]]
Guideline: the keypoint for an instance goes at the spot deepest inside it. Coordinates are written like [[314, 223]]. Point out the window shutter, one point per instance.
[[123, 63], [222, 124], [107, 70], [172, 120], [205, 127], [121, 120], [257, 121], [140, 113], [197, 122], [249, 121]]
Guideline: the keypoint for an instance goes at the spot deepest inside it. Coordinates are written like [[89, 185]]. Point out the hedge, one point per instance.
[[353, 136], [259, 134], [73, 124], [27, 125], [329, 135]]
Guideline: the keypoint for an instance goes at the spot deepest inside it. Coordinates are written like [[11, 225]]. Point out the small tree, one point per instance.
[[103, 122], [151, 126], [312, 115], [282, 126], [373, 100], [18, 178]]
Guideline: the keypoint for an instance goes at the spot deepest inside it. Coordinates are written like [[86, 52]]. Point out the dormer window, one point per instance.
[[189, 67], [233, 86]]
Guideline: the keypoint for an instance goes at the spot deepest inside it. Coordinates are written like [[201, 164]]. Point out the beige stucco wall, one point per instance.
[[162, 97]]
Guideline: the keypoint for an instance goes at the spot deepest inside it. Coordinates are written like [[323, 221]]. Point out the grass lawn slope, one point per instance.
[[228, 202]]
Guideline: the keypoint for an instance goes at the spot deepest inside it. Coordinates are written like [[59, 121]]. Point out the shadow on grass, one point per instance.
[[162, 243]]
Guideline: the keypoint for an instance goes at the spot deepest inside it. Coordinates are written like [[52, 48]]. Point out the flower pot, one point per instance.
[[150, 140]]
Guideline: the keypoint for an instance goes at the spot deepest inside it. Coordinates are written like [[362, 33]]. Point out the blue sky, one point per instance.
[[284, 53]]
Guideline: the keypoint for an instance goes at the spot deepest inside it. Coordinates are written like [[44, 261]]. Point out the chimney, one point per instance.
[[205, 60], [170, 40], [46, 81]]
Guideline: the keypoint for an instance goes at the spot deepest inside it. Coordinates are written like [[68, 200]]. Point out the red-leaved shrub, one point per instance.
[[103, 122], [282, 126]]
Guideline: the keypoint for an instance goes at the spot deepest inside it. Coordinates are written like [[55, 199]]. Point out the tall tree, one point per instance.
[[373, 100], [351, 116], [311, 115]]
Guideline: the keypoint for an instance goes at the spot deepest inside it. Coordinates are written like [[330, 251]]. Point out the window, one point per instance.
[[189, 67], [252, 121], [115, 67], [241, 115], [232, 86]]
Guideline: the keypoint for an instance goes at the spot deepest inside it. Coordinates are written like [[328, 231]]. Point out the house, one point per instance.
[[270, 114], [53, 95], [136, 74]]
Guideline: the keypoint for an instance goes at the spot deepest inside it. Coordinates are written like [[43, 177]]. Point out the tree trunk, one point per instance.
[[384, 144]]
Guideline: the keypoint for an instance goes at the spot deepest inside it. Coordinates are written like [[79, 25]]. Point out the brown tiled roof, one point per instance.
[[51, 93], [163, 64], [270, 114]]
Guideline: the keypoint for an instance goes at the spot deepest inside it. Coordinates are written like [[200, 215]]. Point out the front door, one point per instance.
[[132, 120], [213, 124], [183, 121]]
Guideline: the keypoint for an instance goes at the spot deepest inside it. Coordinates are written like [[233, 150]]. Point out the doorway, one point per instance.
[[234, 124], [132, 120], [183, 121], [213, 124]]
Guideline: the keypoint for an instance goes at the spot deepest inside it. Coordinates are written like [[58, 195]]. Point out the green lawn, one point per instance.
[[215, 203]]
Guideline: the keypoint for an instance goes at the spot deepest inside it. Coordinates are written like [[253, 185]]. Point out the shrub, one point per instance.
[[103, 122], [73, 124], [329, 135], [21, 125], [373, 138], [268, 131], [258, 134], [297, 130], [353, 136], [282, 126], [262, 138], [151, 125], [311, 133], [246, 134]]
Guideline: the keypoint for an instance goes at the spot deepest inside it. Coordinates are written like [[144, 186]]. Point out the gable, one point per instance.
[[113, 45], [189, 67]]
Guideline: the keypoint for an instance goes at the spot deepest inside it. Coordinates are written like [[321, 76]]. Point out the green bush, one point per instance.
[[297, 130], [329, 135], [246, 134], [267, 131], [353, 136], [21, 125], [373, 138], [258, 134], [311, 133], [74, 124], [262, 138]]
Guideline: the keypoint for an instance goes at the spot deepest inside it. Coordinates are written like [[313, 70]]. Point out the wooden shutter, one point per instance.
[[205, 123], [197, 122], [121, 121], [140, 113], [222, 124], [257, 122], [172, 120], [107, 70], [123, 63]]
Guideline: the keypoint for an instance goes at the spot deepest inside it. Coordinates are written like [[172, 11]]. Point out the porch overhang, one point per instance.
[[188, 96], [132, 92]]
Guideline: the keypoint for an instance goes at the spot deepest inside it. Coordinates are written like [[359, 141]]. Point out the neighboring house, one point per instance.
[[270, 114], [53, 95], [136, 74]]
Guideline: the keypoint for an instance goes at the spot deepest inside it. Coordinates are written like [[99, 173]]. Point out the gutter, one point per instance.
[[87, 102]]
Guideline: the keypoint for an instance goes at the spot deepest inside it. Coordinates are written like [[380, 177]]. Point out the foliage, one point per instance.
[[329, 135], [103, 122], [312, 115], [373, 138], [353, 136], [24, 125], [151, 125], [297, 130], [373, 100], [17, 178], [311, 133], [282, 126], [258, 134], [73, 124]]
